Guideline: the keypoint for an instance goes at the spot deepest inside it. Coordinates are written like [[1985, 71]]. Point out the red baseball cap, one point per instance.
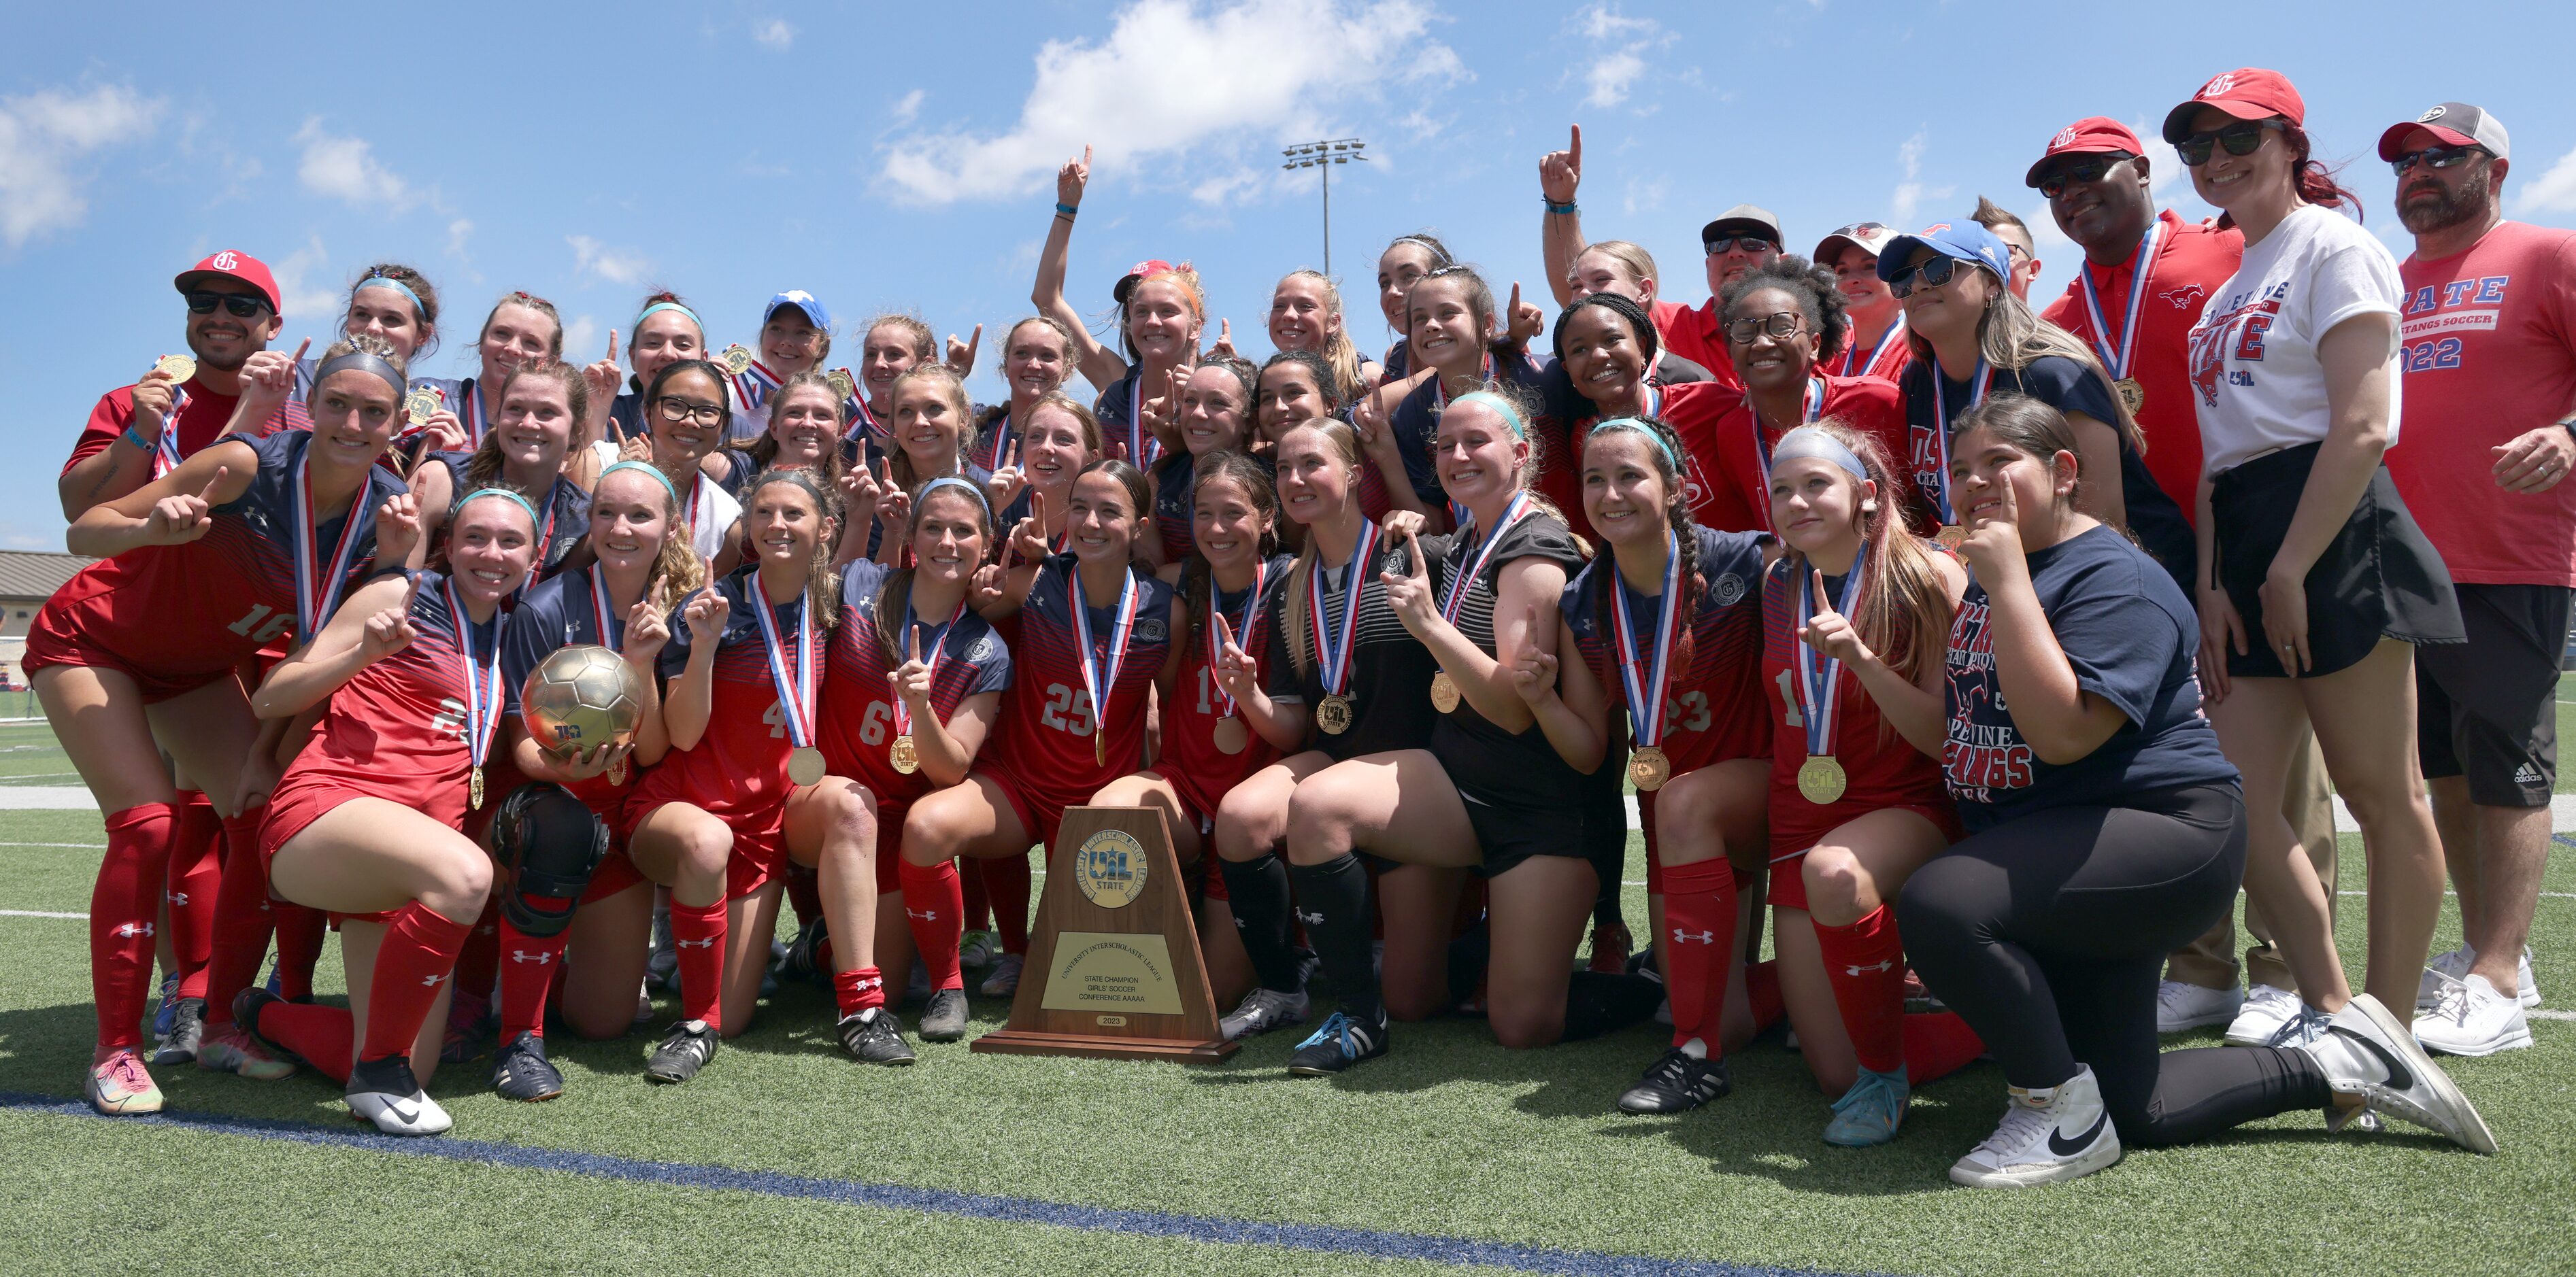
[[2248, 93], [230, 264], [1136, 274], [2094, 134]]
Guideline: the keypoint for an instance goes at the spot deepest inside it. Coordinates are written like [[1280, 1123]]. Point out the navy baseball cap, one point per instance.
[[1963, 239], [801, 300]]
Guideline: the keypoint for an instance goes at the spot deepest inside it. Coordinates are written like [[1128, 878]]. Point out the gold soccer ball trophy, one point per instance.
[[581, 698]]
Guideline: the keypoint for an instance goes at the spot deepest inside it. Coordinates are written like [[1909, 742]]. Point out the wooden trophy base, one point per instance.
[[1031, 1042]]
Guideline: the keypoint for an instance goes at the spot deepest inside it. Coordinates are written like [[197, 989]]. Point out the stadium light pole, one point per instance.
[[1324, 155]]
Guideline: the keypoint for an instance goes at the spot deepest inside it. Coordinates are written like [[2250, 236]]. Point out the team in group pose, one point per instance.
[[1987, 647]]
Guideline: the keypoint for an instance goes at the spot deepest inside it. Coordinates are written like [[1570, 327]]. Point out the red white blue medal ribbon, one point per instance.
[[1143, 449], [795, 686], [1457, 593], [482, 679], [754, 385], [1978, 383], [1099, 673], [1820, 676], [469, 411], [1854, 366], [165, 454], [1647, 678], [1333, 660], [934, 648], [2116, 358], [317, 590], [1251, 608], [1810, 409], [863, 423], [612, 633]]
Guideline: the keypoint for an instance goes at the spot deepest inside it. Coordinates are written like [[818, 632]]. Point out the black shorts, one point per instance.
[[2488, 708], [1511, 828], [2379, 578]]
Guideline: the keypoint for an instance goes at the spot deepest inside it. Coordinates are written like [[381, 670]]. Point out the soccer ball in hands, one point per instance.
[[580, 698]]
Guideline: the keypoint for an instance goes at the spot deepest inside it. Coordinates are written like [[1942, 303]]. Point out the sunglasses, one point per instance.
[[2433, 157], [2244, 137], [675, 410], [1931, 274], [238, 305], [1749, 243], [2080, 173], [1781, 325]]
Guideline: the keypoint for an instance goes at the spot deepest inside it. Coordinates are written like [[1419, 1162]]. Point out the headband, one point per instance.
[[365, 361], [1511, 413], [952, 481], [798, 476], [647, 313], [655, 471], [1439, 255], [503, 493], [1814, 444], [1631, 423], [388, 281]]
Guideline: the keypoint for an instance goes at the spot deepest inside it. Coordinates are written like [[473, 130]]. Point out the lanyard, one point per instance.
[[1251, 608], [610, 633], [2116, 357], [938, 642], [1978, 383], [1333, 660], [1099, 676], [1811, 407], [482, 685], [1866, 367], [1647, 680], [317, 590], [1457, 595], [796, 686], [1819, 675]]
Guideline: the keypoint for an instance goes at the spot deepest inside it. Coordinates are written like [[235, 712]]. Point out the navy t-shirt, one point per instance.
[[2132, 640]]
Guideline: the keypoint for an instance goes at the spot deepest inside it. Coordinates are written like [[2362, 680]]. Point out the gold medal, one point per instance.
[[1333, 714], [2131, 393], [1950, 535], [474, 789], [179, 368], [1444, 692], [841, 382], [1099, 748], [905, 755], [805, 765], [617, 772], [421, 403], [1821, 779], [736, 359], [1650, 767], [1231, 735]]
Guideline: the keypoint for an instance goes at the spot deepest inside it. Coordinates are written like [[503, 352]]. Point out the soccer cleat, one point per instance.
[[2455, 965], [1261, 1011], [769, 974], [1868, 1114], [2181, 1007], [1339, 1044], [164, 1015], [662, 970], [2367, 1053], [874, 1037], [2047, 1135], [119, 1086], [522, 1072], [681, 1053], [944, 1020], [240, 1049], [2471, 1018], [2265, 1010], [187, 1031], [1004, 982], [1610, 946], [977, 949], [385, 1093], [799, 964], [2303, 1028], [1677, 1083]]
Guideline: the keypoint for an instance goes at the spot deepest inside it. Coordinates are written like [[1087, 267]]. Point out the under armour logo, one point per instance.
[[131, 930], [925, 915], [431, 981], [1882, 966], [522, 955], [865, 985], [2218, 86], [708, 943], [178, 899], [2064, 136], [1705, 937], [1310, 919], [224, 260]]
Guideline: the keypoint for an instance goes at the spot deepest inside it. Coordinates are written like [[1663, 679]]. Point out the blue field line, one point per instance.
[[1458, 1251]]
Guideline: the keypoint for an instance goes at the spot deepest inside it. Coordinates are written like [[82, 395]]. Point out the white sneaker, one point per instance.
[[2455, 965], [2470, 1018], [2368, 1053], [2264, 1012], [2181, 1006], [2057, 1133], [2305, 1027]]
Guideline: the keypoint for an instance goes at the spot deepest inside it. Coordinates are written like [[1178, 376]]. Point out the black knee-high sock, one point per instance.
[[1333, 900], [1596, 1003], [1259, 891]]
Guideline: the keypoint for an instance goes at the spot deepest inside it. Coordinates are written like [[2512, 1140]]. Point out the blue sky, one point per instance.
[[902, 157]]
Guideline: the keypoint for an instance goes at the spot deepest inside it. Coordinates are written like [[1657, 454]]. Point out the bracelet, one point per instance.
[[1063, 209], [135, 437], [1567, 209]]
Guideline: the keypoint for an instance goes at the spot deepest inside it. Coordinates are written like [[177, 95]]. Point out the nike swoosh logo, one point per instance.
[[2065, 1147], [2398, 1075]]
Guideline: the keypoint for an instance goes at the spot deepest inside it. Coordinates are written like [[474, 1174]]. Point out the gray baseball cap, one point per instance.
[[2456, 123]]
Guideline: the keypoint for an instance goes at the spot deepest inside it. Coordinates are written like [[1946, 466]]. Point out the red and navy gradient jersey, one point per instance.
[[553, 615], [563, 520], [1123, 434], [1739, 491], [1713, 704], [1047, 719], [196, 610], [1882, 768], [397, 730], [1416, 423], [1190, 759], [858, 696], [739, 767]]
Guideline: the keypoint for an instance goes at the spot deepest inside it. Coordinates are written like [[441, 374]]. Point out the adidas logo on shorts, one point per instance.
[[2527, 775]]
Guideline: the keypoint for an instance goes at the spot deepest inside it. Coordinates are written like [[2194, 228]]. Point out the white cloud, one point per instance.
[[774, 33], [2555, 192], [42, 134], [345, 169], [1617, 64], [457, 233], [616, 265], [305, 290], [907, 108], [1610, 77], [1911, 192], [581, 339], [1602, 22], [1170, 78]]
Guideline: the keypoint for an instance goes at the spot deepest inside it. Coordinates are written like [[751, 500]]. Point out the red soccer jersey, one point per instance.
[[1695, 335], [858, 699], [2191, 262], [1713, 704], [2489, 348], [1882, 768], [1884, 359], [1694, 410], [1048, 722], [1190, 758], [738, 770], [1739, 488]]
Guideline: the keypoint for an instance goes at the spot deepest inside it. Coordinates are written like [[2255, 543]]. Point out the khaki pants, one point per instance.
[[2210, 962]]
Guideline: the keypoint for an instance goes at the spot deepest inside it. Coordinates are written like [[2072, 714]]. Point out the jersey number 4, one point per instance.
[[1068, 709]]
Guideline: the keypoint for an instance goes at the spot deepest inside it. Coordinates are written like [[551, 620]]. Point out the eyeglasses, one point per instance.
[[203, 301], [1780, 324], [2080, 173], [1749, 243], [2434, 156], [2243, 137], [1931, 274], [675, 410]]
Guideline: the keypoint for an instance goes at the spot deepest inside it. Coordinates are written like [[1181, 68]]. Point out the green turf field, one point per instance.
[[1448, 1143]]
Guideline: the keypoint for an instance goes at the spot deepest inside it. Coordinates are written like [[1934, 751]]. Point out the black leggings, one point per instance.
[[2048, 933]]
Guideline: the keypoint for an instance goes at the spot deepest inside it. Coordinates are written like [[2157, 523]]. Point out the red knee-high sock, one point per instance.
[[124, 907], [324, 1037], [933, 902], [860, 988], [1006, 881], [196, 875], [698, 935], [1866, 964], [300, 932], [528, 967], [805, 894], [242, 921], [419, 951], [1699, 938], [478, 964], [1762, 994], [1938, 1044], [979, 905]]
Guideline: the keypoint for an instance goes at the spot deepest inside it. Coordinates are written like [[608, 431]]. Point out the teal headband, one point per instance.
[[1511, 414], [1809, 442], [647, 313], [388, 281], [503, 493], [1631, 423], [655, 471], [952, 481]]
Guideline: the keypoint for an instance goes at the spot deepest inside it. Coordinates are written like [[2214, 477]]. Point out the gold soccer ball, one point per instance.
[[581, 697]]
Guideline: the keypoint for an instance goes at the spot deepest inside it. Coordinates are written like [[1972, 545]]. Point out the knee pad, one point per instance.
[[551, 843]]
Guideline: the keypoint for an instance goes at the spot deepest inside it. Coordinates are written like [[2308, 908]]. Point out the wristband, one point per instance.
[[135, 437], [1567, 209], [1063, 209]]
